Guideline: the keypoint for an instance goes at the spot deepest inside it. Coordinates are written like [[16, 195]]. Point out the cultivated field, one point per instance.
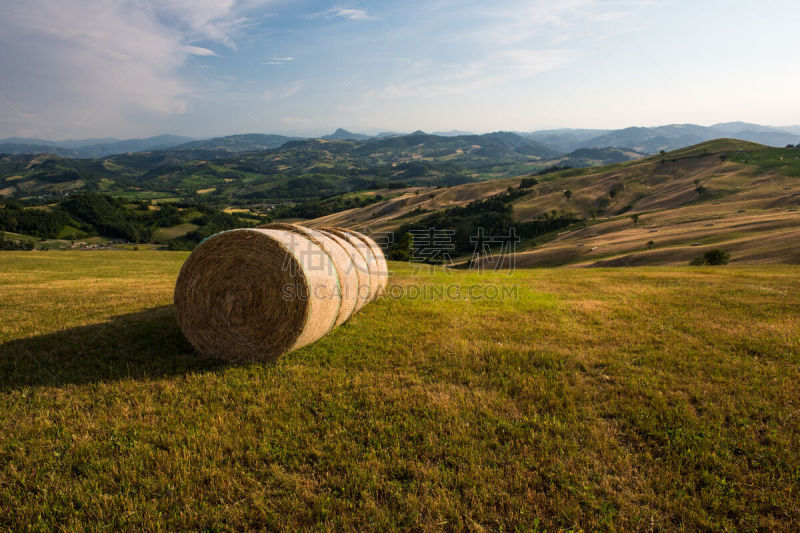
[[650, 399]]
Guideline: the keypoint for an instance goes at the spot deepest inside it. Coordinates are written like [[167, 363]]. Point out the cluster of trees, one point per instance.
[[490, 218], [42, 223], [87, 214], [110, 217], [14, 244], [100, 214], [553, 168], [320, 208], [211, 222]]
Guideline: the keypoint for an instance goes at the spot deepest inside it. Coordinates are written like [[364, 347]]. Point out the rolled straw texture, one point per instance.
[[342, 260], [256, 294], [381, 268], [359, 266], [369, 258]]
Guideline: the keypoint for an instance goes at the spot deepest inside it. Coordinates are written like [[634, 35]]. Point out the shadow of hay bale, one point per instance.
[[143, 345]]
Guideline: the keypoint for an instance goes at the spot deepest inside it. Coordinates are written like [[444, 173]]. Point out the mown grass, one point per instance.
[[657, 398]]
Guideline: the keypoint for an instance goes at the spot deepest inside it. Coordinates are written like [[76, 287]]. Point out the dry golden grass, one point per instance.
[[750, 209]]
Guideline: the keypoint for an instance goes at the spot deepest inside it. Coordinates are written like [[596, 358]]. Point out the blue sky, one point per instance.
[[127, 68]]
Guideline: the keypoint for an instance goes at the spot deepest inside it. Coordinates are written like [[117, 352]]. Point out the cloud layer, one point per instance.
[[75, 67]]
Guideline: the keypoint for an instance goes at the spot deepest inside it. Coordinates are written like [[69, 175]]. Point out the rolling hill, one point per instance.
[[239, 143], [263, 169], [726, 193]]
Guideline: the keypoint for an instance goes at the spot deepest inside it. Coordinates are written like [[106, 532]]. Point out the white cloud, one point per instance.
[[199, 51], [90, 67], [351, 14], [277, 60]]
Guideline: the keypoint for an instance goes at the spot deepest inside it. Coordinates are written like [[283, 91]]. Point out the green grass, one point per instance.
[[650, 398], [784, 160], [162, 235]]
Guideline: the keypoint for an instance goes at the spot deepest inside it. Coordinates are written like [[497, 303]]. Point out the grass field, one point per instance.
[[649, 399]]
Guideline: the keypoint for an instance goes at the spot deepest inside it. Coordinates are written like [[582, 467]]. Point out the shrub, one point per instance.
[[401, 251], [711, 257]]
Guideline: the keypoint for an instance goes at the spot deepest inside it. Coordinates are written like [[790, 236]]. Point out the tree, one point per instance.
[[650, 245], [635, 218], [568, 194], [401, 251], [712, 257], [662, 153]]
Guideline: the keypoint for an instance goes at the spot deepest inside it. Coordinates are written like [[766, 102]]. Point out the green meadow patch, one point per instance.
[[576, 399]]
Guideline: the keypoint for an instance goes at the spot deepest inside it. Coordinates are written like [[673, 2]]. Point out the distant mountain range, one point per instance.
[[643, 140], [88, 148], [344, 135], [669, 137]]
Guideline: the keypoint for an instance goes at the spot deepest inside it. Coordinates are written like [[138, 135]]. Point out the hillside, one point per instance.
[[239, 143], [729, 194]]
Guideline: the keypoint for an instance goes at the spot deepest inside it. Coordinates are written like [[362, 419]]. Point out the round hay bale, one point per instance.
[[341, 259], [369, 258], [256, 294], [381, 268]]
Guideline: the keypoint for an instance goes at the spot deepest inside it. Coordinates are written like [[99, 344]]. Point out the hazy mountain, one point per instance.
[[736, 127], [653, 140], [159, 142], [89, 147], [452, 133], [588, 157], [7, 146], [669, 137], [791, 129], [344, 135], [71, 143], [565, 139]]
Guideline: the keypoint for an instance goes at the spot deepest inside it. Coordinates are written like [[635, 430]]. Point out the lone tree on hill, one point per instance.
[[711, 257], [568, 194], [635, 218], [650, 245]]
